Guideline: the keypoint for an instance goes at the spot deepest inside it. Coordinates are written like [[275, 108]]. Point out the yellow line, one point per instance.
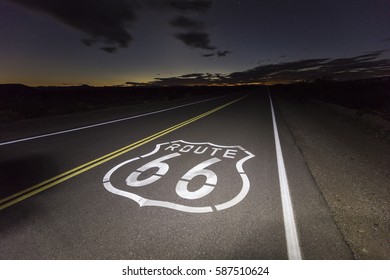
[[26, 193]]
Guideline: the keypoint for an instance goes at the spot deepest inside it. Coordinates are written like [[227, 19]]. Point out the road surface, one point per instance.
[[219, 179]]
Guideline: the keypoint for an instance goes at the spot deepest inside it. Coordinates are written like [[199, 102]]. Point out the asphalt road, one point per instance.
[[178, 184]]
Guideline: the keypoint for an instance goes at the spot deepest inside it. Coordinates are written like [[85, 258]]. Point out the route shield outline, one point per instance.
[[181, 187]]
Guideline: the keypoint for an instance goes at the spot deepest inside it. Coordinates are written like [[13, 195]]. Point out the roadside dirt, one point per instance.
[[349, 158]]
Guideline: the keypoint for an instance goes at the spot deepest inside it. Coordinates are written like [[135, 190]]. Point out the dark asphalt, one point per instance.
[[81, 219]]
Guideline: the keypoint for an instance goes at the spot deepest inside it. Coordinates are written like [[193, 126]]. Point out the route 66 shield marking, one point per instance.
[[148, 175]]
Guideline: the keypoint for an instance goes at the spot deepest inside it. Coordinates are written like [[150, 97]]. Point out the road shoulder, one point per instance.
[[351, 167]]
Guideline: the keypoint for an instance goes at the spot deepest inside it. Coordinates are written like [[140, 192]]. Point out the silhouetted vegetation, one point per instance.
[[371, 96], [22, 102]]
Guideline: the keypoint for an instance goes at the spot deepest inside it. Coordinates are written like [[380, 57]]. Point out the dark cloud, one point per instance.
[[364, 66], [199, 40], [187, 23], [181, 6], [106, 23], [190, 79], [370, 55], [265, 72], [195, 34], [103, 21], [109, 49], [88, 41], [192, 5], [134, 84], [218, 54], [223, 53], [358, 67]]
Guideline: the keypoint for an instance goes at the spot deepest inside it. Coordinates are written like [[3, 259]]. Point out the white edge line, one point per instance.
[[105, 123], [293, 249]]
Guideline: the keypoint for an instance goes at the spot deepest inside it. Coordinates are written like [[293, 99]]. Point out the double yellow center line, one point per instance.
[[26, 193]]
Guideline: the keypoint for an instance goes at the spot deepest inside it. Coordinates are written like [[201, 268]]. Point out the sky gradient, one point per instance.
[[166, 42]]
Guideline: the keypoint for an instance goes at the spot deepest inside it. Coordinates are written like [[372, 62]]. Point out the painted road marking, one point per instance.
[[26, 193], [105, 123], [293, 249], [178, 149], [163, 167], [200, 169]]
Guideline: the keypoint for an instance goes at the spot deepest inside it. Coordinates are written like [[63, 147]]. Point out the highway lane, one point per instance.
[[46, 157], [233, 211]]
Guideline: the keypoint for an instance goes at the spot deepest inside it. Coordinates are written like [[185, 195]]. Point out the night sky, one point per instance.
[[167, 42]]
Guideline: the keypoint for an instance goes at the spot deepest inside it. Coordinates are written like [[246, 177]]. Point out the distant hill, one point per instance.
[[18, 101], [14, 88]]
